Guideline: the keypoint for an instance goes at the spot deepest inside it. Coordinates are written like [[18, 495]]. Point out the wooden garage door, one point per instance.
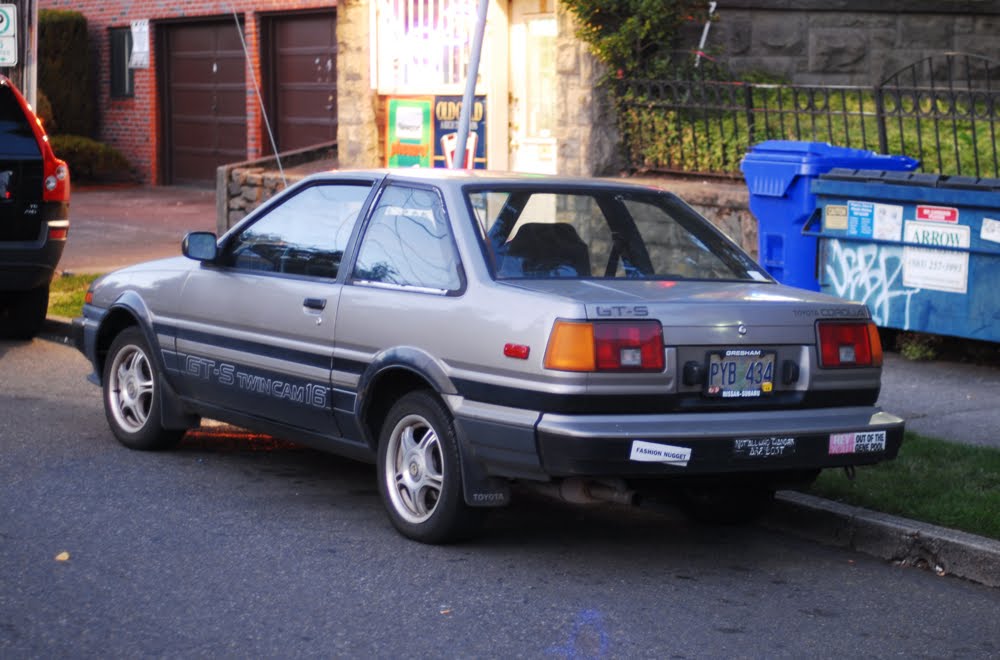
[[205, 100], [302, 78]]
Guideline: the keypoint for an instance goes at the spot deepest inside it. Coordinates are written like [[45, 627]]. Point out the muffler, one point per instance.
[[578, 490]]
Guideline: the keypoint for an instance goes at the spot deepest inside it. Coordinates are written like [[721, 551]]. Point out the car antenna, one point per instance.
[[260, 99]]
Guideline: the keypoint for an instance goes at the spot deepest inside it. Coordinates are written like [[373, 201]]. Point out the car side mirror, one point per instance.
[[200, 246]]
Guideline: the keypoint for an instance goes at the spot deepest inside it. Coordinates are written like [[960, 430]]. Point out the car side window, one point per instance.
[[408, 242], [305, 235]]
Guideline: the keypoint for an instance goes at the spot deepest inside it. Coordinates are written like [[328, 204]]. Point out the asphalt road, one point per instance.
[[119, 226], [247, 547]]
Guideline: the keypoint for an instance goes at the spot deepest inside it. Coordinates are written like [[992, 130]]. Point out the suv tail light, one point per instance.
[[605, 346], [849, 344], [56, 179]]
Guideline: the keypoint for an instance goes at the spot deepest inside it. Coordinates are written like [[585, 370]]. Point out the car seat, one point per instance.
[[550, 250]]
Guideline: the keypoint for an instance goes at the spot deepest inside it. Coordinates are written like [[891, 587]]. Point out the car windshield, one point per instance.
[[603, 233]]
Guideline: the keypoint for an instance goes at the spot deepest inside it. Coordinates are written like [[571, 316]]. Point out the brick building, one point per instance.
[[192, 105], [328, 71]]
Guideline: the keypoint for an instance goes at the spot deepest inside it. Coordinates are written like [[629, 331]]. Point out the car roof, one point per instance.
[[498, 178]]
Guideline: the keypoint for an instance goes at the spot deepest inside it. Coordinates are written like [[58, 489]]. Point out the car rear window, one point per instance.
[[602, 233], [17, 140]]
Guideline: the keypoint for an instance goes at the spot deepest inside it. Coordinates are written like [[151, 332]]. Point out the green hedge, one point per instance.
[[43, 108], [64, 70], [91, 161]]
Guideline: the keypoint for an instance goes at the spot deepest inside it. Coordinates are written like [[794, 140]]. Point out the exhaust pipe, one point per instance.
[[577, 490]]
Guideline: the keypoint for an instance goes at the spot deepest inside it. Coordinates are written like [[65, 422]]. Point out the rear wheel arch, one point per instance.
[[391, 375], [382, 392]]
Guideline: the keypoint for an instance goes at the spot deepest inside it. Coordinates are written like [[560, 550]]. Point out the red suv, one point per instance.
[[34, 215]]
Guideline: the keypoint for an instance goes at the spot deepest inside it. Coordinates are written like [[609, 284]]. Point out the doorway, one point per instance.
[[533, 91]]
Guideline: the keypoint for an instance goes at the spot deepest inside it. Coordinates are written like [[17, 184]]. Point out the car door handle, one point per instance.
[[315, 303]]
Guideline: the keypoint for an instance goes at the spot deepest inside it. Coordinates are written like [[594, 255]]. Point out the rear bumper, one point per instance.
[[25, 266], [701, 444], [684, 444]]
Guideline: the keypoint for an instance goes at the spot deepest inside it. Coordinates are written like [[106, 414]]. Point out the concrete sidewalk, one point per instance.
[[952, 401], [114, 227]]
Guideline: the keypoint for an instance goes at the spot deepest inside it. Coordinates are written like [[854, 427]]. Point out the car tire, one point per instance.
[[131, 396], [727, 505], [419, 472], [23, 313]]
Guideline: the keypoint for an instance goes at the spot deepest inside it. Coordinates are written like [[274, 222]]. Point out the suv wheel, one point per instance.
[[131, 399], [419, 472], [23, 313]]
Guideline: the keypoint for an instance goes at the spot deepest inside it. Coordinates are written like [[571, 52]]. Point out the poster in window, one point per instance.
[[409, 132], [447, 110]]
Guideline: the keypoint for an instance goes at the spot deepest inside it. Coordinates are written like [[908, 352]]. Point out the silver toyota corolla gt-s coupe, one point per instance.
[[466, 331]]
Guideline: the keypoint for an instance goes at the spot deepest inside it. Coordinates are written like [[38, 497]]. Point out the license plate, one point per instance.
[[740, 373]]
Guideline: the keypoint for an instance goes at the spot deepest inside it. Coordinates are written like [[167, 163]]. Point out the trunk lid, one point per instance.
[[708, 313], [21, 173]]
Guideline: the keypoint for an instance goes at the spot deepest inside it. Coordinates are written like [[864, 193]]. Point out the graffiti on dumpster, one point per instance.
[[871, 275]]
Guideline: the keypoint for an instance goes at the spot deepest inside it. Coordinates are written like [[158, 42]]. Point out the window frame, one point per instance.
[[452, 243], [121, 75], [734, 254], [227, 258]]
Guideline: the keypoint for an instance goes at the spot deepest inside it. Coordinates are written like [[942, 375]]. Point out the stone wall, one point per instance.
[[242, 187], [848, 42], [585, 128], [724, 202], [357, 130]]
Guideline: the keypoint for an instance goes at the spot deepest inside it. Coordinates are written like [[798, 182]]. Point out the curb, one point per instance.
[[900, 540]]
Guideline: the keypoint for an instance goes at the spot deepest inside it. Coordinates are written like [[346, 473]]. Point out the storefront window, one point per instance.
[[423, 46]]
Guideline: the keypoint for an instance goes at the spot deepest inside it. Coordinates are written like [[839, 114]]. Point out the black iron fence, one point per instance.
[[944, 110]]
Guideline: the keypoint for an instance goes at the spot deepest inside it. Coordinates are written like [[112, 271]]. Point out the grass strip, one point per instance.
[[66, 294], [934, 481]]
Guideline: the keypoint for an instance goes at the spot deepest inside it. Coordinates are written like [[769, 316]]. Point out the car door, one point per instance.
[[256, 333]]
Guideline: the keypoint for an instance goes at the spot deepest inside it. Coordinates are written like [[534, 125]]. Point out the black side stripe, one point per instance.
[[254, 347], [349, 366], [610, 404]]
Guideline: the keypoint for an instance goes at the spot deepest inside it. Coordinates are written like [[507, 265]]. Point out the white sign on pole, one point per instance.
[[139, 59], [8, 35]]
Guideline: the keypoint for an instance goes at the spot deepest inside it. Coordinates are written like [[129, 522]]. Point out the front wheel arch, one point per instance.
[[132, 389]]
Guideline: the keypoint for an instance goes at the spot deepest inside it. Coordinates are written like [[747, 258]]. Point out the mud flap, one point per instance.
[[479, 488], [172, 413]]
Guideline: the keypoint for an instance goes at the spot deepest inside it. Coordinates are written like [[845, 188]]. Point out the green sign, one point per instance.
[[409, 135]]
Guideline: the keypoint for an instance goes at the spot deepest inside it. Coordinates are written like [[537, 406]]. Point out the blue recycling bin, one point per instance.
[[778, 175], [921, 250]]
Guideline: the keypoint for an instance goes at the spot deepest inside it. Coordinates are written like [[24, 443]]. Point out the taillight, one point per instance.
[[56, 180], [58, 230], [849, 344], [605, 346]]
